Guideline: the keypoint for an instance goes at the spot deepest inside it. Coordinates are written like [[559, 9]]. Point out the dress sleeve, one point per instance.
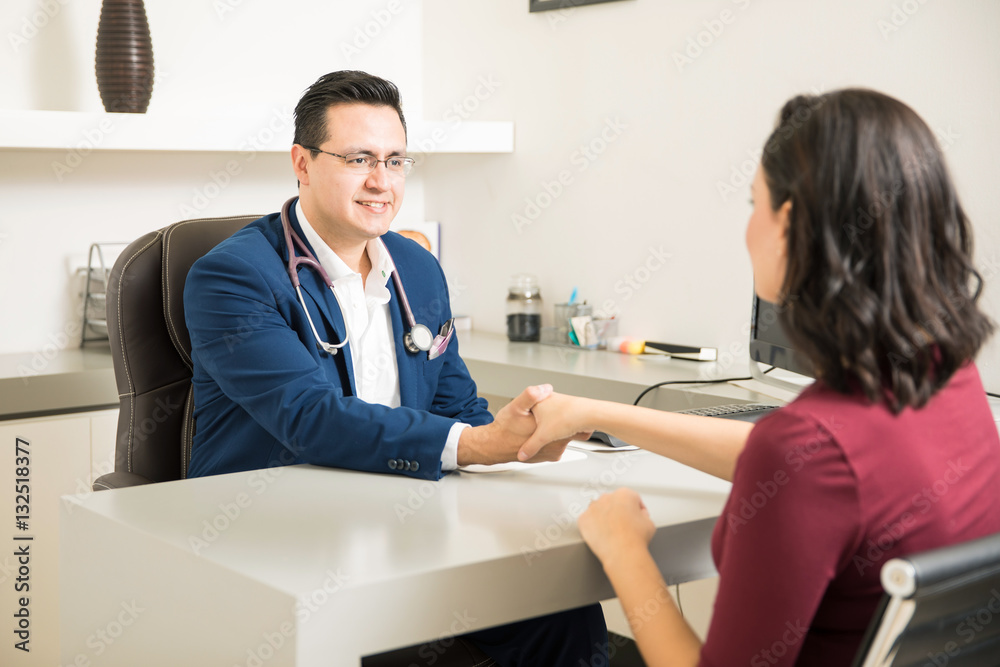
[[790, 525]]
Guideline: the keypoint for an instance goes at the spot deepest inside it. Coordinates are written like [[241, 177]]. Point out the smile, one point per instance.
[[377, 205]]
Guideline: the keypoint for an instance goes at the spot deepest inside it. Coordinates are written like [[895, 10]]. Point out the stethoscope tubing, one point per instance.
[[418, 339]]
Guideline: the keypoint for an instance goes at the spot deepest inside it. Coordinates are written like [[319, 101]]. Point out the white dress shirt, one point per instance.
[[365, 308]]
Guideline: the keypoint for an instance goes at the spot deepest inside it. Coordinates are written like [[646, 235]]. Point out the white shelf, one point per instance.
[[84, 131]]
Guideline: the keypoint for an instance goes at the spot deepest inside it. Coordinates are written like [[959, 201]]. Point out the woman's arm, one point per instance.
[[617, 528], [705, 443]]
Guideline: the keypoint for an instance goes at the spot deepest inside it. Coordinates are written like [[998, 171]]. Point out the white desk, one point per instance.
[[312, 566]]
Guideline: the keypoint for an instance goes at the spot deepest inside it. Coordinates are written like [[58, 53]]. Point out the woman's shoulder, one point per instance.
[[814, 416], [805, 439], [867, 434]]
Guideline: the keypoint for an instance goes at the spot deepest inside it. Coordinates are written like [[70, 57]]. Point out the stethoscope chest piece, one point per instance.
[[418, 339]]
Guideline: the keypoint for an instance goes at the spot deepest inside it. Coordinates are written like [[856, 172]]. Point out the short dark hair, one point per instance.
[[342, 87], [880, 292]]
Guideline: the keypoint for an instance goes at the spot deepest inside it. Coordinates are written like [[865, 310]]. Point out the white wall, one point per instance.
[[215, 57], [565, 78], [564, 75]]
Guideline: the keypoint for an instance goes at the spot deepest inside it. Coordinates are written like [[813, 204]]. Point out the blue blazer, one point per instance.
[[265, 395]]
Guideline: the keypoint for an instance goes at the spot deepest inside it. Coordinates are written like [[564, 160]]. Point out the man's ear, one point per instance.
[[301, 160]]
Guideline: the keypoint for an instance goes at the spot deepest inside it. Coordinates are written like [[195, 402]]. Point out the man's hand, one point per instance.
[[500, 441]]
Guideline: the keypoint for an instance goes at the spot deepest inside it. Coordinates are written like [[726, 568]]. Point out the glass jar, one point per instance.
[[524, 308]]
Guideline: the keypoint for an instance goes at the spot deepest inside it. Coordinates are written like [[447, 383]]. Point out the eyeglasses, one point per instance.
[[363, 163]]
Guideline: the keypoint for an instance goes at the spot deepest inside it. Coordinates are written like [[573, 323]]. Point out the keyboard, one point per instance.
[[748, 412]]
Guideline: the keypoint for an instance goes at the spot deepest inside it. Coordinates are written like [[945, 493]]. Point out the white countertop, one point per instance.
[[74, 379], [503, 368], [55, 380]]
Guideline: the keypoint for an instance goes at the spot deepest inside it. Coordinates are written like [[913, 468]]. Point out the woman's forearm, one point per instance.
[[663, 636], [705, 443]]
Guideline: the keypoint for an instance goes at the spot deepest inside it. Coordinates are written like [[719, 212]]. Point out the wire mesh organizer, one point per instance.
[[100, 259]]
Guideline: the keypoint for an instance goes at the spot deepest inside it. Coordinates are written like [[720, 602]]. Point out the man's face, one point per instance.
[[348, 208]]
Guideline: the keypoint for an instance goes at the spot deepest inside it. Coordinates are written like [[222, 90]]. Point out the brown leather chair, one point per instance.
[[152, 350]]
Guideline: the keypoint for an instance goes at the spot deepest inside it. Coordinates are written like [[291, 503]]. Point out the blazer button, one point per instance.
[[415, 466], [392, 464], [406, 465]]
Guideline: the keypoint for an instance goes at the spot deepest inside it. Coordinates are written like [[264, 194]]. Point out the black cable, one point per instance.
[[663, 384], [990, 393]]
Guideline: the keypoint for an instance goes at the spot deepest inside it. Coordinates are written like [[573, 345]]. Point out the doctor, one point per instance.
[[340, 373]]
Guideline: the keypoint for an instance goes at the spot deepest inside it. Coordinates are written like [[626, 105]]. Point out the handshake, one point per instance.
[[536, 426]]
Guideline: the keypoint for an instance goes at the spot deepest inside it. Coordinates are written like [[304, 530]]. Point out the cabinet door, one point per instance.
[[54, 455], [103, 434]]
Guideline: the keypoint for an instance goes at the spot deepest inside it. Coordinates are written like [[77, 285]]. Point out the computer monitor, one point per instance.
[[769, 345]]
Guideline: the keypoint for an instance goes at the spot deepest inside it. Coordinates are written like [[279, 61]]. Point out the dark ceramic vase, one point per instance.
[[124, 57]]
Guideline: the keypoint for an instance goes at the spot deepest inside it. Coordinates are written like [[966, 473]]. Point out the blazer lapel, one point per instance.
[[318, 294]]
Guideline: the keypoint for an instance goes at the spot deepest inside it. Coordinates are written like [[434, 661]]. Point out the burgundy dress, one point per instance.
[[828, 489]]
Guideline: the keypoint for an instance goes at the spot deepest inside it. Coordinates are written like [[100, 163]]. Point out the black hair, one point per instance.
[[342, 87], [880, 292]]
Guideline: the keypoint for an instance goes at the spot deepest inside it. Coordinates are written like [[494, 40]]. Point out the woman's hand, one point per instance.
[[617, 528], [558, 418], [502, 439], [615, 525]]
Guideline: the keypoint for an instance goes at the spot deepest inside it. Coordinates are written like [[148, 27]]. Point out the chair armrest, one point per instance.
[[119, 480]]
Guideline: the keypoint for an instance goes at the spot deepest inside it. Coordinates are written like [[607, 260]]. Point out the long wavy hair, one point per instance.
[[880, 292]]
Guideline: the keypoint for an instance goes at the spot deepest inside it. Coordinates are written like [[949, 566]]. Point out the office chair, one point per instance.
[[151, 349], [941, 607]]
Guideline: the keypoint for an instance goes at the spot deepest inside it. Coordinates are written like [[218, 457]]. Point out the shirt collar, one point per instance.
[[337, 269]]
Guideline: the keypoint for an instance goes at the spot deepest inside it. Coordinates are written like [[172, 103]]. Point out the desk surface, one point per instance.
[[408, 556]]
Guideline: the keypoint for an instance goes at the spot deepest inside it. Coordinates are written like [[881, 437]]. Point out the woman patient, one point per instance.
[[858, 235]]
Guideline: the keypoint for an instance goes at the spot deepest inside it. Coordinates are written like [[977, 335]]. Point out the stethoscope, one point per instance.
[[418, 339]]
